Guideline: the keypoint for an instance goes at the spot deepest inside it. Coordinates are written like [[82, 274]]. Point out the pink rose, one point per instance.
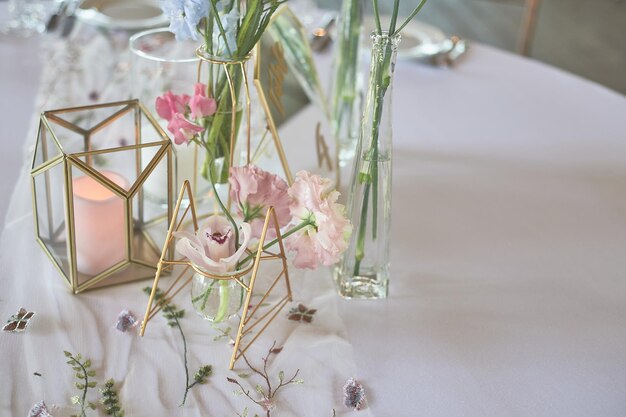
[[212, 248], [169, 104], [325, 238], [254, 190], [200, 104], [182, 129]]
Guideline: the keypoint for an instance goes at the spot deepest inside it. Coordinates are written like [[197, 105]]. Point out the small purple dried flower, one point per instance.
[[39, 410], [125, 321], [354, 394]]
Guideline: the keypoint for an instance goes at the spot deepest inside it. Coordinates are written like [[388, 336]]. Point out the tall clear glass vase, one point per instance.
[[346, 99], [227, 82], [364, 270]]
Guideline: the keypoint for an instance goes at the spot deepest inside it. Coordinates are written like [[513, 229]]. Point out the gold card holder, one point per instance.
[[290, 92], [257, 316]]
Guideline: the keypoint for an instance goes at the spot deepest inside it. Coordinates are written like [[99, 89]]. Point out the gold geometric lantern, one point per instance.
[[100, 176], [271, 285]]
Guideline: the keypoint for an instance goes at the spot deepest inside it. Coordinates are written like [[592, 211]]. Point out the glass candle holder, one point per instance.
[[160, 63]]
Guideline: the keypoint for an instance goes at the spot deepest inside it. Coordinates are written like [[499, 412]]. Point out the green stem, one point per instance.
[[345, 74], [368, 174], [225, 211], [411, 16], [221, 28], [377, 16], [394, 16], [204, 296], [360, 246], [222, 309], [182, 335], [285, 235]]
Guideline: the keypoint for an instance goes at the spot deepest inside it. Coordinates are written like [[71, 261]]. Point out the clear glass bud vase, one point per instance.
[[227, 83], [364, 270], [345, 92]]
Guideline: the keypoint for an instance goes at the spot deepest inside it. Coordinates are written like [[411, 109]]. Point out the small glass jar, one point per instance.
[[217, 297]]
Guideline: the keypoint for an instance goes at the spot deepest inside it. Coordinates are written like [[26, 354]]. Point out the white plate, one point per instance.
[[419, 40], [122, 14]]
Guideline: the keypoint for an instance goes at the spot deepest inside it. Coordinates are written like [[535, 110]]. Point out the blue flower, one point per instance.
[[184, 16]]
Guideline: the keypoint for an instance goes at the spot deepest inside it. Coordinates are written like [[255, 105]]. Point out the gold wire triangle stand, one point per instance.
[[248, 321]]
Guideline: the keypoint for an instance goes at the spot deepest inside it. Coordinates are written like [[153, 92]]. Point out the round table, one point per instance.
[[507, 294]]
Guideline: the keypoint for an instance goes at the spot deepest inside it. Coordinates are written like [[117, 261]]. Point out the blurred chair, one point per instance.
[[507, 24]]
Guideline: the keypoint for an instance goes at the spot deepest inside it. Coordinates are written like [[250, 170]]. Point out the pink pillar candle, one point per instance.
[[100, 229]]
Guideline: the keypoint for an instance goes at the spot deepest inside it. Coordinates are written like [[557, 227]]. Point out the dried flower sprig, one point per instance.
[[110, 400], [267, 402], [172, 314], [83, 373]]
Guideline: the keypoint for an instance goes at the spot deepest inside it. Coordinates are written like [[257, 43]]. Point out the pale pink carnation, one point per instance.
[[169, 104], [312, 198], [200, 104], [182, 129], [254, 190]]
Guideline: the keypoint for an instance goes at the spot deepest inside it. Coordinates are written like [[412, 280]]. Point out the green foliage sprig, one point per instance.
[[110, 400], [173, 315], [83, 373]]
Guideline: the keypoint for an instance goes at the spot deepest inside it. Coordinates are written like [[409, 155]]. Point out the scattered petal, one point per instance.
[[39, 410], [301, 313], [354, 394], [125, 321], [18, 321]]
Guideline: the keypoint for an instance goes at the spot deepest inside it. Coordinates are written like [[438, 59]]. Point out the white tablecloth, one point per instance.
[[507, 297]]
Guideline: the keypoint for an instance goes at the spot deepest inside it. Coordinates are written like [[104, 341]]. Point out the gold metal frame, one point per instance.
[[247, 321], [268, 114], [74, 160], [265, 97]]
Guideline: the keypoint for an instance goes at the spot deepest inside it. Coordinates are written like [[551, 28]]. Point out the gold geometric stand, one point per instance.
[[248, 320]]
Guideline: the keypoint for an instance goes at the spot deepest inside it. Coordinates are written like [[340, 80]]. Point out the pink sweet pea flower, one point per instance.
[[255, 190], [212, 248], [200, 104], [169, 104], [325, 238], [182, 129]]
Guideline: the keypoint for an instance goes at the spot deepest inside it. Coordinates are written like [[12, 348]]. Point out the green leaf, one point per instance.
[[78, 369], [79, 375], [92, 406], [79, 385], [298, 381], [259, 389], [87, 363], [75, 399], [91, 373], [281, 376], [66, 353], [91, 384]]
